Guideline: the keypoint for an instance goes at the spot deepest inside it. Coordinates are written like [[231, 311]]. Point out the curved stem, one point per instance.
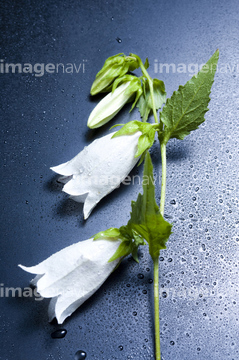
[[156, 309], [151, 89]]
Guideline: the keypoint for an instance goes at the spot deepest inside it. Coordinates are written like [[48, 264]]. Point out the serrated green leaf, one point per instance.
[[146, 218], [110, 233], [185, 110]]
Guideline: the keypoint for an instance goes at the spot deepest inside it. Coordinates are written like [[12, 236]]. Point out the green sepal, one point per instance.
[[114, 66], [146, 140], [123, 250], [146, 64], [110, 233], [186, 108], [130, 241], [145, 101], [146, 218]]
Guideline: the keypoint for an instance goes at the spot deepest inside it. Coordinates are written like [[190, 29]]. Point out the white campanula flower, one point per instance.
[[98, 169], [73, 274]]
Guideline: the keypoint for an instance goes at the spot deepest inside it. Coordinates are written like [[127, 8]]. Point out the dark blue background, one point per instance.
[[43, 123]]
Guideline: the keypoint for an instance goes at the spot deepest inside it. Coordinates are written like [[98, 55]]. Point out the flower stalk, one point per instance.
[[150, 81]]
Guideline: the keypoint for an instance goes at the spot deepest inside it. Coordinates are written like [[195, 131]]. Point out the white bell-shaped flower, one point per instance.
[[73, 274], [98, 169]]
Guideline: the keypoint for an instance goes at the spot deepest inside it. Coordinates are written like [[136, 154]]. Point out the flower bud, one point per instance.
[[114, 66], [112, 103]]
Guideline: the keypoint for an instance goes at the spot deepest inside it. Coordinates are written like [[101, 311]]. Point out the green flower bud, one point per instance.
[[128, 90], [114, 66]]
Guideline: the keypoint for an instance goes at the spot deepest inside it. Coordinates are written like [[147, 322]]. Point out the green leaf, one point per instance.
[[185, 110], [145, 101], [110, 233], [146, 218]]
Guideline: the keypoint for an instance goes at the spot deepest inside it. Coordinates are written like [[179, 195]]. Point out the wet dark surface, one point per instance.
[[43, 123]]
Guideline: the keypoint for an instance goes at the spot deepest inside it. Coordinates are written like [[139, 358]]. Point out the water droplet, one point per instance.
[[170, 259], [26, 201], [164, 294], [140, 276], [172, 342], [144, 291], [59, 334], [135, 313], [121, 348], [161, 258], [150, 281], [80, 355], [173, 202], [119, 40]]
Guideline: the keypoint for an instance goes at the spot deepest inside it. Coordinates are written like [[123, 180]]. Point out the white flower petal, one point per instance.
[[73, 274], [99, 168]]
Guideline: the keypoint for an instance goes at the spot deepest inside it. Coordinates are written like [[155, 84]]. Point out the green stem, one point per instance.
[[163, 179], [150, 80], [156, 260], [156, 309]]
